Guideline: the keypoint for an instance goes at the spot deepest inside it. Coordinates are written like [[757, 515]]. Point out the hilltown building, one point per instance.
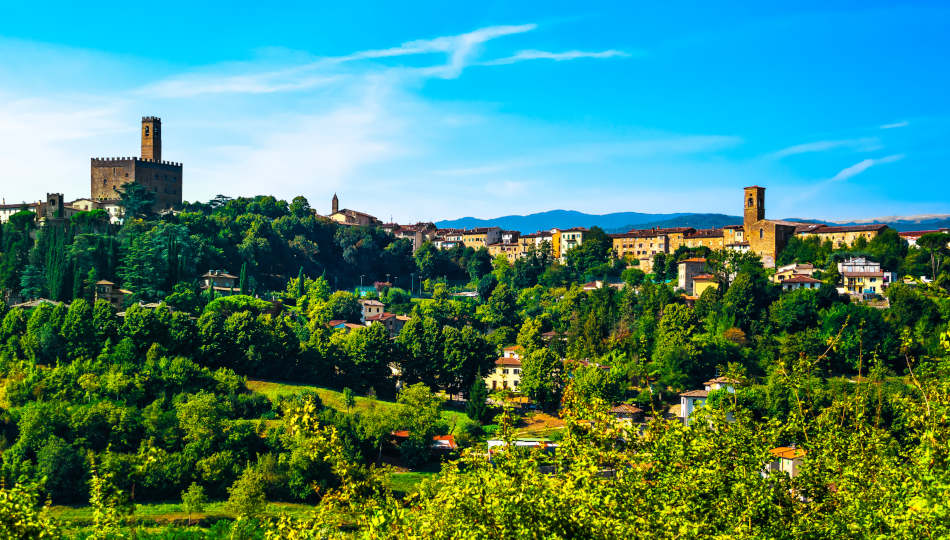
[[109, 176]]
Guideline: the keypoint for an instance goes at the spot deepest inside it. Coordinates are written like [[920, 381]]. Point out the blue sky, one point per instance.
[[437, 110]]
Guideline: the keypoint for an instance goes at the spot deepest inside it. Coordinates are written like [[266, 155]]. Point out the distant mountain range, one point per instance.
[[624, 221]]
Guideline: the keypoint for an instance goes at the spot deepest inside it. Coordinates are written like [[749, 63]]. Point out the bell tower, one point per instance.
[[335, 204], [754, 205], [151, 138]]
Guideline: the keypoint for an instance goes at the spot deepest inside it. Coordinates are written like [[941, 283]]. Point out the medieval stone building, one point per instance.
[[766, 237], [162, 178]]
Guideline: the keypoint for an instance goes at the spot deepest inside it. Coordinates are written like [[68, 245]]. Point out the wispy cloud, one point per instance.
[[531, 54], [865, 144], [861, 166], [459, 49], [902, 123]]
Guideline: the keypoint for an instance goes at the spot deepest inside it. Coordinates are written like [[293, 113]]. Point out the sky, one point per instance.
[[438, 110]]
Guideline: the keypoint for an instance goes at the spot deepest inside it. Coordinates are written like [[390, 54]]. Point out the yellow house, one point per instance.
[[511, 251], [792, 270], [481, 237], [507, 372], [702, 282]]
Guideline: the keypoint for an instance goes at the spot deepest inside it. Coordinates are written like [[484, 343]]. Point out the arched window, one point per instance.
[[750, 202], [761, 233], [146, 131]]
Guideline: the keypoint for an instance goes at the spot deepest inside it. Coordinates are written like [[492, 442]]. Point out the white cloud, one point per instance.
[[861, 166], [902, 123], [522, 56], [866, 144]]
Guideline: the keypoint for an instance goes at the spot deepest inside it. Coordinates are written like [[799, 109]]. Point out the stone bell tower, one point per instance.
[[151, 138], [754, 204]]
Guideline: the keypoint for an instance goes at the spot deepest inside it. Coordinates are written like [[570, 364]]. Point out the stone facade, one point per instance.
[[162, 178], [766, 237]]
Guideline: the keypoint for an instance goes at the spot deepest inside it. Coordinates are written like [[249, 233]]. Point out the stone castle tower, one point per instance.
[[162, 178], [152, 138], [335, 205]]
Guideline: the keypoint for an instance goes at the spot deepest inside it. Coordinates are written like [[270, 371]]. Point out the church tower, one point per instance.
[[754, 204], [335, 205], [151, 138]]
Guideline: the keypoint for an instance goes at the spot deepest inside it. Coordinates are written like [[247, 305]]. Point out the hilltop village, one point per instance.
[[250, 355]]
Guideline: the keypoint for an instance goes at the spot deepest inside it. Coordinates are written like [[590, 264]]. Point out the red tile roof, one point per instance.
[[508, 362], [861, 274], [625, 408], [722, 380], [787, 452], [705, 233], [695, 393], [694, 259]]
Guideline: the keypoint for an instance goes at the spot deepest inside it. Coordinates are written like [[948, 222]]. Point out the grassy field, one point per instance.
[[403, 483], [171, 512], [332, 398]]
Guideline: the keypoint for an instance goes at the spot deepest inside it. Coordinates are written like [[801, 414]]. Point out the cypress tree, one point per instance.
[[243, 280], [300, 283]]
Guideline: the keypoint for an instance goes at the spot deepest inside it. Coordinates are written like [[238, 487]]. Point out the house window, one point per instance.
[[761, 233], [146, 134]]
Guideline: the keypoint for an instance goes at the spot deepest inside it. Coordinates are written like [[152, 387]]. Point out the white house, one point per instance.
[[371, 309], [693, 399]]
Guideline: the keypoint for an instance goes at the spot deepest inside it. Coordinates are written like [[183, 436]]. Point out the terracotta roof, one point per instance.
[[512, 348], [826, 229], [801, 279], [861, 274], [446, 442], [722, 380], [371, 302], [336, 322], [787, 452], [704, 277], [695, 393], [735, 227], [918, 234], [220, 274], [694, 259], [625, 408], [508, 362], [705, 233]]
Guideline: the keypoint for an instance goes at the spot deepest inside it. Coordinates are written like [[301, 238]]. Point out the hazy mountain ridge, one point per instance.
[[624, 221]]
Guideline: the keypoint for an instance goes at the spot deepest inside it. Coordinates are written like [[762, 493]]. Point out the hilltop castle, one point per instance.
[[163, 178]]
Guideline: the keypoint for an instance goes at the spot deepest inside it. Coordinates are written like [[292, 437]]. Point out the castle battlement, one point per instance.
[[134, 158], [151, 119]]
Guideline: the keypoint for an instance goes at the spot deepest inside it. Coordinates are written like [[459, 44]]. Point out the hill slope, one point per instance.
[[560, 219]]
